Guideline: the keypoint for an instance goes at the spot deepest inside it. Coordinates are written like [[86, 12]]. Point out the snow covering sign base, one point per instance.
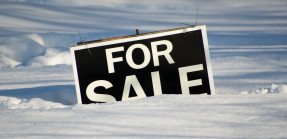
[[175, 61]]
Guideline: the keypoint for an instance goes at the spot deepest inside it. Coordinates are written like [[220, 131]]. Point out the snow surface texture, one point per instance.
[[169, 116], [248, 47]]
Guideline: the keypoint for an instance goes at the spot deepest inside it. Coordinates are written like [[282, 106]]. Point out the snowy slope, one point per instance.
[[248, 46], [219, 116]]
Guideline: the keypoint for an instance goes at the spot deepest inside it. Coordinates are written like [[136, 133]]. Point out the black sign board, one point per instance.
[[175, 61]]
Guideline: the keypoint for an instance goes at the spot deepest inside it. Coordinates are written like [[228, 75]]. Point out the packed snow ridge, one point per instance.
[[274, 89], [31, 50]]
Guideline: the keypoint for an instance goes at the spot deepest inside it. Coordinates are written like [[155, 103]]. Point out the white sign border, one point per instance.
[[142, 37]]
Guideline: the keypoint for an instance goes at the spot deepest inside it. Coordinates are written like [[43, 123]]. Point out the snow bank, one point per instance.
[[44, 21], [20, 49], [275, 88], [51, 57], [167, 116], [8, 62], [62, 94], [35, 103], [32, 50], [248, 51]]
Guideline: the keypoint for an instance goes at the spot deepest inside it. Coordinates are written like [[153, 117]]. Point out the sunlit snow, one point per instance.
[[248, 48]]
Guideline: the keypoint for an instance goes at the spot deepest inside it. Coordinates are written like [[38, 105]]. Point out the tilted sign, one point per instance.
[[167, 62]]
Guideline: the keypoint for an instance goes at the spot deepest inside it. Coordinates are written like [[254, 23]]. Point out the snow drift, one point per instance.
[[248, 48]]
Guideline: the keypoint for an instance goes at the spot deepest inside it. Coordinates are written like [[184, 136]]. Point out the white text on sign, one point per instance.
[[132, 80], [155, 54]]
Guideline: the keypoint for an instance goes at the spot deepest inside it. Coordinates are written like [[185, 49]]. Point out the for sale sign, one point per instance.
[[175, 61]]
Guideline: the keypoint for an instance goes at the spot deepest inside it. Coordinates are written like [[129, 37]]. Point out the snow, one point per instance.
[[168, 116], [275, 88], [248, 47]]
